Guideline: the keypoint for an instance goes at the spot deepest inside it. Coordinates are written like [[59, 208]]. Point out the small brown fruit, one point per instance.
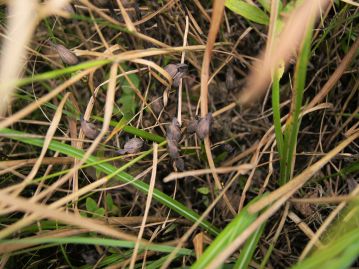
[[67, 56], [204, 126], [90, 130], [132, 146], [69, 8], [172, 148], [179, 163], [173, 131], [192, 126], [176, 71], [157, 104], [231, 82]]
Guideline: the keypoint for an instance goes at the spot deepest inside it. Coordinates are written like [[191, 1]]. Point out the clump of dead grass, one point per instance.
[[121, 85]]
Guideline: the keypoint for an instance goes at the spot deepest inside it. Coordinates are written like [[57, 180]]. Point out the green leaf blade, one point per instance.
[[249, 12]]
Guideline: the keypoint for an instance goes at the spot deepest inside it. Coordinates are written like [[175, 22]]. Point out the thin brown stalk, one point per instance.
[[69, 218], [325, 200], [30, 162], [242, 169], [298, 181], [126, 18], [336, 75], [179, 109], [325, 225], [218, 8], [33, 106], [22, 20], [304, 227], [285, 193], [148, 204]]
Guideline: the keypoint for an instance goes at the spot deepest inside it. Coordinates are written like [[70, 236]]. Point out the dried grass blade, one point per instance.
[[286, 45], [21, 24]]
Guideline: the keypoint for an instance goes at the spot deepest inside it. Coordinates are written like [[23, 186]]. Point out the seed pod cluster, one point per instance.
[[176, 71], [67, 56], [132, 146], [173, 137], [201, 126]]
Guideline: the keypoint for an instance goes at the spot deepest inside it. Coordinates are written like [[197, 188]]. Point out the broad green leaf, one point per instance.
[[250, 12], [128, 96], [91, 205], [128, 102], [109, 202], [100, 212], [266, 4], [203, 190]]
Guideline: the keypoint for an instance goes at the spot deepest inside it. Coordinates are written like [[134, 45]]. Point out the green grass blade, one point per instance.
[[250, 12], [276, 113], [293, 122], [98, 242], [230, 232], [341, 242], [135, 131], [248, 249], [340, 253], [59, 72], [109, 169]]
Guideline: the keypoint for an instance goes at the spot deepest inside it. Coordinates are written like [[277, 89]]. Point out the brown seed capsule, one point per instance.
[[179, 163], [171, 70], [165, 98], [173, 131], [69, 8], [172, 148], [101, 3], [89, 129], [230, 79], [176, 71], [133, 145], [157, 104], [204, 126], [67, 56]]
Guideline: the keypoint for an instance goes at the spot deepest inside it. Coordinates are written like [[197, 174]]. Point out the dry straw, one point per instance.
[[23, 17], [286, 46], [22, 20]]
